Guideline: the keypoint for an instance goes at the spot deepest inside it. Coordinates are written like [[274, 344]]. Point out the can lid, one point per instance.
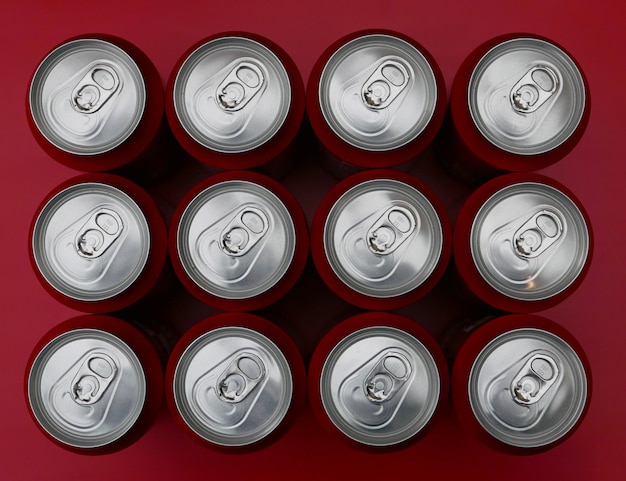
[[86, 388], [236, 239], [380, 386], [526, 96], [528, 387], [232, 386], [378, 92], [87, 96], [91, 241], [529, 241], [232, 94], [383, 238]]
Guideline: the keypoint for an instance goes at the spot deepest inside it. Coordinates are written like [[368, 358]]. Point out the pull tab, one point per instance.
[[537, 234], [241, 84], [538, 375], [391, 230], [385, 84], [534, 89], [95, 88], [98, 233], [240, 378], [245, 230], [386, 378], [93, 378]]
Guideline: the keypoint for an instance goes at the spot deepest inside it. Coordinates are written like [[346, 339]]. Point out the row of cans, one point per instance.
[[380, 240], [375, 99], [378, 381]]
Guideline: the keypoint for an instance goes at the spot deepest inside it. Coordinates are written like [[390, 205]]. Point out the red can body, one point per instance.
[[271, 155], [139, 144], [345, 152], [73, 207], [472, 155], [149, 374]]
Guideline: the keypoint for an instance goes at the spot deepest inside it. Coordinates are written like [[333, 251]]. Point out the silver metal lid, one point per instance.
[[236, 239], [526, 96], [232, 386], [91, 241], [383, 238], [377, 92], [529, 241], [232, 95], [527, 388], [86, 388], [87, 97], [380, 386]]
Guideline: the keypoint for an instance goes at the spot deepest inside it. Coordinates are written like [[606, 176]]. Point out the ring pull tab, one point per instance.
[[244, 231], [384, 85], [95, 88], [531, 383], [386, 378], [98, 234], [93, 378], [240, 378], [537, 234], [391, 230], [534, 89], [241, 84]]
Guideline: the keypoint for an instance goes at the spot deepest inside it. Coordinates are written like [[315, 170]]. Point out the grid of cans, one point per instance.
[[380, 239]]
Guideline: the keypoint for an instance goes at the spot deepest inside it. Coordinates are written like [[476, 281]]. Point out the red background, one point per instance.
[[595, 171]]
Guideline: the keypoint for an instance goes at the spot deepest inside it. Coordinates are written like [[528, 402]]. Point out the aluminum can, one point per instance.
[[235, 381], [235, 101], [239, 241], [521, 383], [381, 239], [519, 103], [98, 243], [522, 242], [94, 384], [378, 381], [375, 99], [95, 103]]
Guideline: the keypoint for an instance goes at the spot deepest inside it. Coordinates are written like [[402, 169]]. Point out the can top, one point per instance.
[[87, 97], [383, 238], [236, 239], [86, 388], [232, 386], [232, 94], [380, 386], [91, 241], [528, 387], [526, 96], [378, 92], [529, 241]]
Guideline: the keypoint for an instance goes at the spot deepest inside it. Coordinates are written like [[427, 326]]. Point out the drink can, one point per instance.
[[95, 103], [94, 384], [522, 242], [519, 103], [521, 383], [375, 99], [235, 381], [381, 239], [239, 241], [235, 101], [378, 381], [98, 243]]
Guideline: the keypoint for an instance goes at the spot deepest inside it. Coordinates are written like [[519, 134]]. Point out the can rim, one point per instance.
[[363, 158], [328, 274], [463, 258], [263, 153]]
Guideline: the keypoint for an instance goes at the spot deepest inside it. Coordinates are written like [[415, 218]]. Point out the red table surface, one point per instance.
[[595, 171]]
